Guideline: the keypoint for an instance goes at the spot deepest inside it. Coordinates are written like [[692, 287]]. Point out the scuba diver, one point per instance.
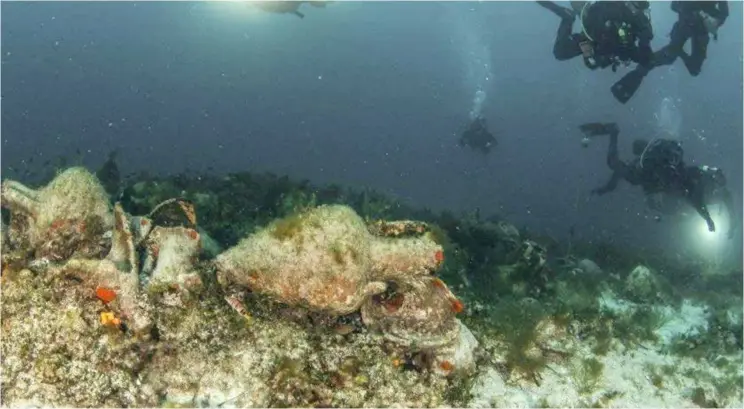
[[696, 22], [651, 167], [658, 167], [477, 136], [290, 7], [613, 33], [109, 174]]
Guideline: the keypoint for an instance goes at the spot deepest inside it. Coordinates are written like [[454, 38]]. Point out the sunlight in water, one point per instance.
[[708, 243], [705, 234], [236, 8]]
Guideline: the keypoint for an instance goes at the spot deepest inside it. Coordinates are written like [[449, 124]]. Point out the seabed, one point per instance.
[[99, 310]]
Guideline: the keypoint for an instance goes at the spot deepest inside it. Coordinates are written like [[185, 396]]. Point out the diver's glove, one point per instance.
[[711, 225]]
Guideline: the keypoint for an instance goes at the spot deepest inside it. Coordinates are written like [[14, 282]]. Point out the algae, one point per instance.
[[587, 375]]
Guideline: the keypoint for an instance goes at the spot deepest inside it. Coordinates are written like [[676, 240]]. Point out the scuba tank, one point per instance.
[[662, 152], [662, 162]]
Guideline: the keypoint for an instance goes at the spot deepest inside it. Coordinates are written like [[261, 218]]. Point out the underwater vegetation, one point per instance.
[[257, 290]]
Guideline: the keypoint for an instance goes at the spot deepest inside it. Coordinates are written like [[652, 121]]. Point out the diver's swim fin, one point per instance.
[[577, 6], [560, 11], [626, 87]]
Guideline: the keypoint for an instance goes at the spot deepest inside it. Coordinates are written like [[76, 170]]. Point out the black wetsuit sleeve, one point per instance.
[[610, 185], [696, 198]]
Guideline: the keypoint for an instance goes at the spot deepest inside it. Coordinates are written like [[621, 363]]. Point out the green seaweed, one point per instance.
[[601, 401], [439, 235], [699, 398], [730, 386], [587, 375], [288, 227], [603, 340], [543, 402], [337, 252], [516, 324], [459, 391], [657, 380]]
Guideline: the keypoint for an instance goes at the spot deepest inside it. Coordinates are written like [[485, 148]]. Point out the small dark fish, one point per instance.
[[478, 137]]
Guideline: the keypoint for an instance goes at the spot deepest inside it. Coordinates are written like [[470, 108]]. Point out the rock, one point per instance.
[[642, 284], [464, 357], [67, 217], [489, 390], [487, 387], [420, 315], [461, 355], [325, 259], [689, 319], [588, 267], [171, 255]]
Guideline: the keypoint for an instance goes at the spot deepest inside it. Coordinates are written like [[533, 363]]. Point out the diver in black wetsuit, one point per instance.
[[613, 33], [653, 166], [477, 136], [658, 167], [696, 22]]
